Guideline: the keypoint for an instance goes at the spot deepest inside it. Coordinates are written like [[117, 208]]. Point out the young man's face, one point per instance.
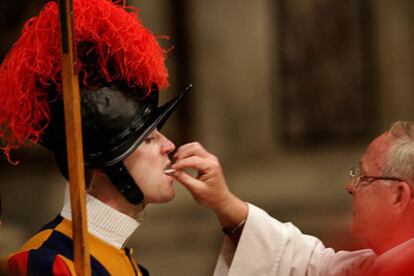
[[146, 165]]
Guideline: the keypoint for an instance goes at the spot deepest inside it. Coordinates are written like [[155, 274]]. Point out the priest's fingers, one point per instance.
[[190, 149], [188, 181], [193, 162], [205, 193]]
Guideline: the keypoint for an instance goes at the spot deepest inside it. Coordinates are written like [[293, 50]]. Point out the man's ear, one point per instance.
[[402, 196]]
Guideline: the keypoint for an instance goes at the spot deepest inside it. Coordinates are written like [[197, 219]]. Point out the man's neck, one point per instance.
[[394, 239], [102, 189]]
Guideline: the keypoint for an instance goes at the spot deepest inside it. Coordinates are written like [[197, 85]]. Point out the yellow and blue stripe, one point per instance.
[[50, 252]]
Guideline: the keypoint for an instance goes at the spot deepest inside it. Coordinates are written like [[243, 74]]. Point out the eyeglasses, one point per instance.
[[358, 180]]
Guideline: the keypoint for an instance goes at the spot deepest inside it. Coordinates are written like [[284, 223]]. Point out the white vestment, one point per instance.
[[268, 247]]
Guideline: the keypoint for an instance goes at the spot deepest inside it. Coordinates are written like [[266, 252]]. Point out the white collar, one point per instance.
[[104, 222]]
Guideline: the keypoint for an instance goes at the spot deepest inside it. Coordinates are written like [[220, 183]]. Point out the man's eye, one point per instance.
[[149, 140]]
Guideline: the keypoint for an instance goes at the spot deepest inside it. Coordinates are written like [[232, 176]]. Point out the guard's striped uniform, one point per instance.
[[50, 252]]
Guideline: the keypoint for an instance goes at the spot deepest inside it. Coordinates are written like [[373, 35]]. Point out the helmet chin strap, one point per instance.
[[123, 181], [118, 175]]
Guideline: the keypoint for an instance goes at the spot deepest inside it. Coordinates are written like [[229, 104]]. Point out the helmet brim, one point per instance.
[[124, 149]]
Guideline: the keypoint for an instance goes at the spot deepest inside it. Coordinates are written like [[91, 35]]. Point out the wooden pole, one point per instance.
[[71, 99]]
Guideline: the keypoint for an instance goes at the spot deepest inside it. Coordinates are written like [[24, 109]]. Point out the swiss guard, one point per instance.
[[121, 69]]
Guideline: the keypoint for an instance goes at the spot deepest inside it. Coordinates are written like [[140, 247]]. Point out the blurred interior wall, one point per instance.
[[234, 53], [394, 39]]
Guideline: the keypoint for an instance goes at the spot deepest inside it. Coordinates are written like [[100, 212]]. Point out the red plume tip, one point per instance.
[[112, 45]]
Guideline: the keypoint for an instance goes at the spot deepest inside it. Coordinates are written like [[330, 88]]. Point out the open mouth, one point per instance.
[[168, 170]]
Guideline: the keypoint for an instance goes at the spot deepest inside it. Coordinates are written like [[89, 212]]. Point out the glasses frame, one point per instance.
[[357, 180]]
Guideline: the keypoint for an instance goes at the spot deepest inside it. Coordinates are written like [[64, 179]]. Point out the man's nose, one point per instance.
[[167, 146]]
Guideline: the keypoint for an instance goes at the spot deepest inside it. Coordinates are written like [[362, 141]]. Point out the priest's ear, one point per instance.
[[403, 197]]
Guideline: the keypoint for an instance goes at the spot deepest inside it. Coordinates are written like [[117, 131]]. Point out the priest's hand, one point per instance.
[[208, 187]]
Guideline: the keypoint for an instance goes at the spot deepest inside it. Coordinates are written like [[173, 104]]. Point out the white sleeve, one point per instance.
[[268, 247]]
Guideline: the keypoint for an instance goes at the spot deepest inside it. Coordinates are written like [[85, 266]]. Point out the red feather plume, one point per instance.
[[112, 45]]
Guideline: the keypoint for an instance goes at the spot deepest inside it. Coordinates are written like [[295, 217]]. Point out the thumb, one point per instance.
[[191, 183]]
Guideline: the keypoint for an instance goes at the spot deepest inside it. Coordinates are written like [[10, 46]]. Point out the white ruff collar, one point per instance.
[[104, 222]]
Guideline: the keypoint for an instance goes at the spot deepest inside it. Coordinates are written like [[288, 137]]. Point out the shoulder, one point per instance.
[[46, 253], [38, 262]]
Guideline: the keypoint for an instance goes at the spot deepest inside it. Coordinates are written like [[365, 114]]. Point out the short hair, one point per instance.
[[399, 161]]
